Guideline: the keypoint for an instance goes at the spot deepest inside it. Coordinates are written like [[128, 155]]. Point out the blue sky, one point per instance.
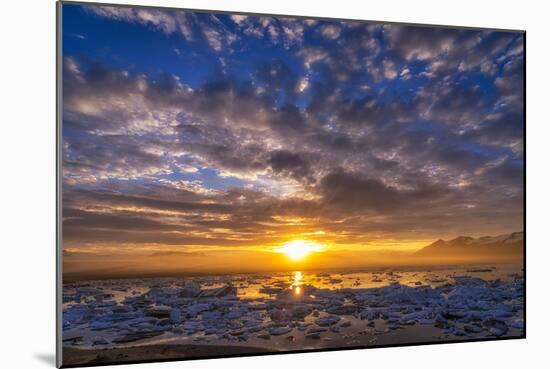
[[178, 124]]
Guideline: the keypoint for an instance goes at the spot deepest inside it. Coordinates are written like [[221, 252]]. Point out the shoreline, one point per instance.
[[89, 356]]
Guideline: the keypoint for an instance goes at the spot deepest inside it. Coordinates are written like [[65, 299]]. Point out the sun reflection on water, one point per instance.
[[297, 283]]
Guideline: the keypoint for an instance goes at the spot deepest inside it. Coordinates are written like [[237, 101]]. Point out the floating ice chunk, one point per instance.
[[327, 320], [277, 331], [234, 314], [279, 315], [301, 311], [219, 292], [517, 323], [269, 290], [495, 326], [346, 309], [89, 291], [234, 324], [198, 308], [100, 325], [193, 326], [122, 309], [175, 316], [255, 329], [258, 306], [497, 332], [190, 289], [345, 324], [159, 312], [252, 322]]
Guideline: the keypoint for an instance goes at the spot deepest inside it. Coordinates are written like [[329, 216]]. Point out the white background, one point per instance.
[[27, 209]]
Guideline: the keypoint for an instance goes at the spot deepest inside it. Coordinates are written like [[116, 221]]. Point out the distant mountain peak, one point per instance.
[[466, 246], [461, 239]]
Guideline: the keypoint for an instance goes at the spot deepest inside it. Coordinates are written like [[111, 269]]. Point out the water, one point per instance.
[[98, 312]]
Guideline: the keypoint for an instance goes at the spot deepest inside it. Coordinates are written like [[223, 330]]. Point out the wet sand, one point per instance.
[[152, 352], [77, 357]]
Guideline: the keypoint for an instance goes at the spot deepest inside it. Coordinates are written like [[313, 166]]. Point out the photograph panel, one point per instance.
[[242, 184]]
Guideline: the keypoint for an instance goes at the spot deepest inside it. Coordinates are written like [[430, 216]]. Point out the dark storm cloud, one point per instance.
[[351, 191], [293, 165], [286, 161], [288, 120], [353, 129]]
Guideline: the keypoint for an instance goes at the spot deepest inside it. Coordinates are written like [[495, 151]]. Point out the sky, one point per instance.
[[198, 136]]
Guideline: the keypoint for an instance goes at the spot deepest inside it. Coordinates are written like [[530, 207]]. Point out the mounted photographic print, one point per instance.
[[235, 184]]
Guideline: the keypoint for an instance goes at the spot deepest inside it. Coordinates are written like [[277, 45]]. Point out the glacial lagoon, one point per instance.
[[298, 310]]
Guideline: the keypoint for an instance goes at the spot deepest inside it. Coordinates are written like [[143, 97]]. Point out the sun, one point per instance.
[[299, 249]]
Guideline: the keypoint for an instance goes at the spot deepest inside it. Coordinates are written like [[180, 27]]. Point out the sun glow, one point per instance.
[[299, 249]]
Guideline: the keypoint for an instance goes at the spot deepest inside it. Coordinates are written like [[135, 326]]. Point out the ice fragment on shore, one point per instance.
[[219, 292], [175, 316], [327, 320], [301, 311], [190, 289], [517, 323], [159, 312], [277, 331]]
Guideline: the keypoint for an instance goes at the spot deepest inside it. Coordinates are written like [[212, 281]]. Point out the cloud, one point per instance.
[[363, 131], [293, 32], [312, 56], [239, 19], [389, 69], [330, 31], [421, 43], [291, 164], [405, 74], [184, 23], [352, 191], [214, 39], [157, 18], [303, 84]]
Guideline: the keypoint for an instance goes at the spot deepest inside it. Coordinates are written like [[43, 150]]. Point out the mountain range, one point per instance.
[[506, 246]]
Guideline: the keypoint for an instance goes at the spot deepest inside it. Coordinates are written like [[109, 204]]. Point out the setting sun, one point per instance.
[[299, 249]]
